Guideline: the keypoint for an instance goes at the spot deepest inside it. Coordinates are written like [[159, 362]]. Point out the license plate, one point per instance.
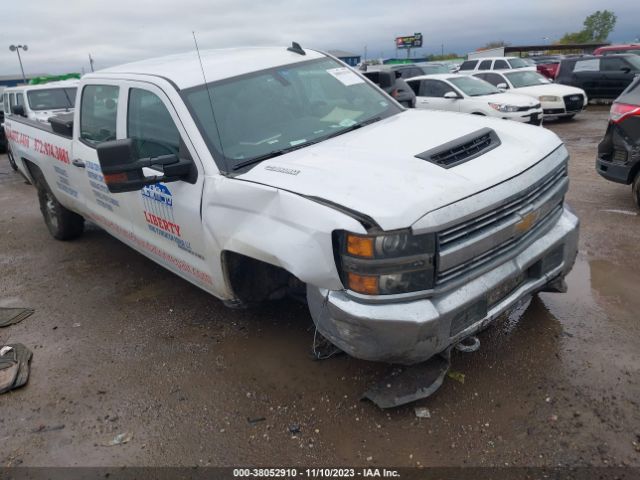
[[505, 288]]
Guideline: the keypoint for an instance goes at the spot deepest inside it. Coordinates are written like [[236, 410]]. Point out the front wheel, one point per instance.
[[63, 224], [635, 190]]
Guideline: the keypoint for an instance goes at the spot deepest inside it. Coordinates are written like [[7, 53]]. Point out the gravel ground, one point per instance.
[[122, 346]]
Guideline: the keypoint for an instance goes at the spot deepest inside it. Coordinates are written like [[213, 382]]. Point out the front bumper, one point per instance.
[[533, 117], [411, 332]]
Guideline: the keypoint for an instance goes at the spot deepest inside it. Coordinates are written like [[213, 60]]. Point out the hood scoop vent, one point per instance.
[[462, 149]]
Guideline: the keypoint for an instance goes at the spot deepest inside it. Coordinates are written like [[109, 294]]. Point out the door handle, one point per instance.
[[78, 163]]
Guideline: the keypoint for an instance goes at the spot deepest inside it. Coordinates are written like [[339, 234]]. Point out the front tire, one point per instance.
[[63, 224]]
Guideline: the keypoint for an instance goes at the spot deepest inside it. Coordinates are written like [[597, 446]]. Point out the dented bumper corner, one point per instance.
[[411, 332]]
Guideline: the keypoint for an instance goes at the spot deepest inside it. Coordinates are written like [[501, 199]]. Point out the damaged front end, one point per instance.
[[454, 272]]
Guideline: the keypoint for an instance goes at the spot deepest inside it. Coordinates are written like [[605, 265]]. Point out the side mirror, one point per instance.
[[122, 167], [451, 95], [502, 86], [18, 110], [625, 69]]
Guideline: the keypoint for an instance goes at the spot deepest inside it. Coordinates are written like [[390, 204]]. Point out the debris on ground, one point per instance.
[[14, 366], [411, 383], [120, 439], [294, 428], [255, 420], [422, 412], [11, 316], [457, 376], [322, 348], [45, 428]]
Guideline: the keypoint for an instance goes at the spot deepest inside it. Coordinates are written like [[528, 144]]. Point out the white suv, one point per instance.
[[494, 63]]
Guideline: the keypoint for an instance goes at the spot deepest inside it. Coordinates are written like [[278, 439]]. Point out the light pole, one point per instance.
[[16, 48]]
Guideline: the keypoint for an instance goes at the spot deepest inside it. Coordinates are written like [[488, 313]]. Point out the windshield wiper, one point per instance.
[[272, 154], [277, 153]]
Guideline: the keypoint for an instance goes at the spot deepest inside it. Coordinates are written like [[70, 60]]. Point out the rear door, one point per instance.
[[99, 119], [587, 75]]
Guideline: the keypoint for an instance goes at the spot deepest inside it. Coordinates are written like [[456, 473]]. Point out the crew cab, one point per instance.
[[39, 102], [256, 173]]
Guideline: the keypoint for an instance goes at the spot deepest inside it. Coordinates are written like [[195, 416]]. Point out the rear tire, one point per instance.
[[635, 190], [63, 224], [12, 160]]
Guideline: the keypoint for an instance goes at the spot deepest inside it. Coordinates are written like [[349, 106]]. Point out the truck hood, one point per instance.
[[374, 170]]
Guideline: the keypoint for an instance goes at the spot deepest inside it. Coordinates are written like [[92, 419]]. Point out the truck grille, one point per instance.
[[573, 103], [475, 243]]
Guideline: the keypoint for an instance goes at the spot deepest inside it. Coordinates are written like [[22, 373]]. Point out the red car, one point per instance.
[[611, 49]]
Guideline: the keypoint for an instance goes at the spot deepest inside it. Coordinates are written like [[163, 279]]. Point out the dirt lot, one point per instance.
[[122, 345]]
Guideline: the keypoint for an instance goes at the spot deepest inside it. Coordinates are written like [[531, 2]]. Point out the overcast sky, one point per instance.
[[60, 34]]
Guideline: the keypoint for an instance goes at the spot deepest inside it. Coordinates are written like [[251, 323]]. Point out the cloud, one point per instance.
[[61, 34]]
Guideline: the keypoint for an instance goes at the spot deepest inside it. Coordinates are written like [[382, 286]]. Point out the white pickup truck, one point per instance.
[[259, 172]]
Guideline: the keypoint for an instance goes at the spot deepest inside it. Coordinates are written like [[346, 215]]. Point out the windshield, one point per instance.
[[431, 69], [265, 113], [52, 98], [526, 79], [474, 87], [517, 63]]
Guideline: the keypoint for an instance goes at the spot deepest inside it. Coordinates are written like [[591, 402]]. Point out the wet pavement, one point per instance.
[[123, 346]]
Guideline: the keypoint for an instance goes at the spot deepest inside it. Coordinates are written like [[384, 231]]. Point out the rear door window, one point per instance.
[[485, 65], [588, 65], [415, 86], [468, 65], [98, 113], [20, 99]]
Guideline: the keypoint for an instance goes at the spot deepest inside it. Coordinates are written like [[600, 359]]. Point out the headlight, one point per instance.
[[386, 263], [549, 98], [504, 108]]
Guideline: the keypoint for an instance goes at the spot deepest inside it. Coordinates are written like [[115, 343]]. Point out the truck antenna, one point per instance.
[[206, 85]]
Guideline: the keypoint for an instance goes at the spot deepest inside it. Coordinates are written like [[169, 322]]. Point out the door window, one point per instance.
[[150, 125], [494, 79], [613, 64], [468, 65], [98, 113], [485, 65], [501, 65], [589, 65], [20, 99], [434, 88], [415, 86]]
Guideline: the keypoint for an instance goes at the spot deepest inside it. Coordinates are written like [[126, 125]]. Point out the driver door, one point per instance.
[[431, 96], [166, 215]]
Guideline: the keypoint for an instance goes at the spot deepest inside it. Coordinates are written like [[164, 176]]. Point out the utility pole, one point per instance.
[[442, 49], [365, 53], [91, 62], [16, 48]]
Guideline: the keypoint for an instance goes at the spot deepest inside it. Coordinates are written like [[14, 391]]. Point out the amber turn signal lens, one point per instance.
[[363, 284], [115, 177], [360, 246]]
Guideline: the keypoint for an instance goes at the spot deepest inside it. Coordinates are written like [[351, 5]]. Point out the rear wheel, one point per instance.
[[12, 161], [635, 190], [63, 224]]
